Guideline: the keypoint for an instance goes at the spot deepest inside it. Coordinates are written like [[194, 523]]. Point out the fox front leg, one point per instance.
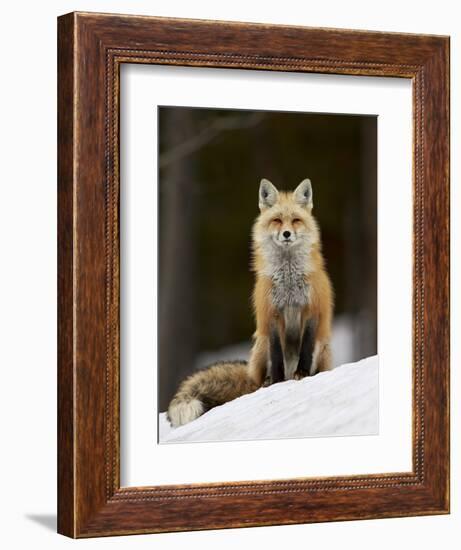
[[306, 352], [276, 357]]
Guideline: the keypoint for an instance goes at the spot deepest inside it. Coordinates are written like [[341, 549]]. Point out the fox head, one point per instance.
[[286, 220]]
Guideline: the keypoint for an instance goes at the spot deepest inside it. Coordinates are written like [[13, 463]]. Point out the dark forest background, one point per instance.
[[210, 164]]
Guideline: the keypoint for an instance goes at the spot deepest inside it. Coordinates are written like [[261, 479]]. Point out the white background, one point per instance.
[[28, 272], [143, 88]]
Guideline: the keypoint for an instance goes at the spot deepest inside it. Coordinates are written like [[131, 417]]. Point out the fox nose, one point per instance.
[[286, 234]]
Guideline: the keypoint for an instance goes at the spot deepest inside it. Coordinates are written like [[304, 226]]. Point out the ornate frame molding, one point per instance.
[[91, 49]]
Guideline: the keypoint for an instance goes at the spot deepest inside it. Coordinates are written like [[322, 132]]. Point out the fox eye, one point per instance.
[[277, 220], [296, 220]]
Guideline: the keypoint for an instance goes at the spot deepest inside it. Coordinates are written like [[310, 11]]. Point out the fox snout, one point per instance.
[[286, 236]]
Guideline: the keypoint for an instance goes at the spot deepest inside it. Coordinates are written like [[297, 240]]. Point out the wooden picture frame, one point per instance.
[[91, 48]]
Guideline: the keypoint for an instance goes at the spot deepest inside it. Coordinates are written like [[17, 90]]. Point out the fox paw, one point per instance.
[[267, 382], [300, 374]]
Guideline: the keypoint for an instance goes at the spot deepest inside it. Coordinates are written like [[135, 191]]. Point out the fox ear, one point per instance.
[[267, 194], [303, 193]]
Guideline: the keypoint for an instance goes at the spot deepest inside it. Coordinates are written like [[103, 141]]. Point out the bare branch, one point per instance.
[[207, 135]]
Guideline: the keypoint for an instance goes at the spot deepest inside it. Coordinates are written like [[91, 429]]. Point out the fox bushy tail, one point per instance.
[[208, 388]]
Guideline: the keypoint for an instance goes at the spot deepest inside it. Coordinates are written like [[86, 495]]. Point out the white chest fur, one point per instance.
[[287, 270]]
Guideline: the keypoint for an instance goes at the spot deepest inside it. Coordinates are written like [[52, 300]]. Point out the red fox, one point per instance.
[[293, 305]]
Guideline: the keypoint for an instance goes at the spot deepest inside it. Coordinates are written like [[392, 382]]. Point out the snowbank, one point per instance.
[[340, 402]]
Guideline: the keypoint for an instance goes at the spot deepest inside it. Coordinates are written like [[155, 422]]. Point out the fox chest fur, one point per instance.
[[290, 288], [289, 285], [289, 296]]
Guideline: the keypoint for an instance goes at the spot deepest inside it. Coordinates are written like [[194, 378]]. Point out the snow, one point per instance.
[[341, 402]]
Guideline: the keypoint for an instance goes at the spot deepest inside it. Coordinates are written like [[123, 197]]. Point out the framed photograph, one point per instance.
[[253, 323]]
